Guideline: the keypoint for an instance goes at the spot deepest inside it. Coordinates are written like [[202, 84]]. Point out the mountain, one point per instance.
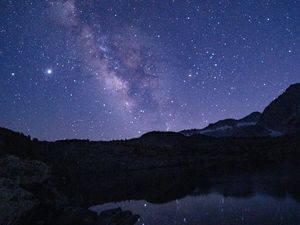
[[282, 116], [231, 127]]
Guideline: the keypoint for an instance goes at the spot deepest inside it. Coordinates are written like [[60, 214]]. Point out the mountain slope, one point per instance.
[[281, 117], [283, 114], [230, 127]]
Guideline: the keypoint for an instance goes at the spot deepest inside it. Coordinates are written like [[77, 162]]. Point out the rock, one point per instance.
[[15, 202], [27, 197], [75, 216], [120, 217], [131, 220], [109, 213], [117, 217], [23, 190], [25, 172]]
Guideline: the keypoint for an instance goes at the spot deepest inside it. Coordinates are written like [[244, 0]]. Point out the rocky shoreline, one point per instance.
[[28, 197]]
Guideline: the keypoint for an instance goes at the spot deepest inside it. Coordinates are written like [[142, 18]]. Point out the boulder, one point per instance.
[[25, 172], [75, 216], [15, 202], [117, 217]]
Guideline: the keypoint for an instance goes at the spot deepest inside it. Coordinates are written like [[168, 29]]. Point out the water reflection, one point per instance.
[[214, 209], [176, 196], [165, 185]]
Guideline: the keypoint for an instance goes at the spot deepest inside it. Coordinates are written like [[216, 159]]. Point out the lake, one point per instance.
[[259, 199]]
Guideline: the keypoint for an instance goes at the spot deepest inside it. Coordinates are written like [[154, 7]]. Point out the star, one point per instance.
[[49, 71], [151, 70]]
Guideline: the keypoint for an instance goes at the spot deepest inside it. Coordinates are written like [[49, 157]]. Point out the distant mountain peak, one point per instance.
[[226, 127], [282, 116], [293, 87], [278, 115]]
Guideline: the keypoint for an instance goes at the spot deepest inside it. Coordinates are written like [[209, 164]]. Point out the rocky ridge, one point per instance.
[[280, 117], [27, 197]]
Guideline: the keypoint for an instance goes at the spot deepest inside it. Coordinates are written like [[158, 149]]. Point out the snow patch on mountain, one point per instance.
[[223, 128]]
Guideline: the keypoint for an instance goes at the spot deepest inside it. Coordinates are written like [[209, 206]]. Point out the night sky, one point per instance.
[[108, 69]]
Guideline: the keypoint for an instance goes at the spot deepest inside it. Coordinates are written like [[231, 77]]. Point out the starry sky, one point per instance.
[[114, 69]]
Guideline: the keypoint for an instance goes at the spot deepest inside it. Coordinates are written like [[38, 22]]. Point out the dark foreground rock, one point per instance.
[[28, 197], [117, 217], [81, 216], [15, 202], [74, 216], [24, 172]]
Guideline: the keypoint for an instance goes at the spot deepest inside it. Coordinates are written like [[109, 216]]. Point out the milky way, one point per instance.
[[115, 69], [97, 55], [126, 66]]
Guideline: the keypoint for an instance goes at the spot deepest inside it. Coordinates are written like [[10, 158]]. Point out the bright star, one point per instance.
[[49, 71]]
